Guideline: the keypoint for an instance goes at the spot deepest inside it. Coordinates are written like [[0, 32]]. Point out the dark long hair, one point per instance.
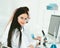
[[15, 24]]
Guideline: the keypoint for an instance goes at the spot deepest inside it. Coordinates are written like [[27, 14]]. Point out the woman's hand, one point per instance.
[[30, 46], [38, 38]]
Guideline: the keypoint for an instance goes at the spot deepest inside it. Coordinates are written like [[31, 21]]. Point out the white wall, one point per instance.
[[5, 13], [46, 14], [40, 16]]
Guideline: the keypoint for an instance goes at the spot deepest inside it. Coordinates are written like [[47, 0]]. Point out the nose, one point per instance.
[[24, 21]]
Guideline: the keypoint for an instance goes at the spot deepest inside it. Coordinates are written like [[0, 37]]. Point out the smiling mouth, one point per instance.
[[22, 23]]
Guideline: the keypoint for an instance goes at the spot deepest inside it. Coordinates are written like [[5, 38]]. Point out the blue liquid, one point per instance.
[[32, 36], [53, 46]]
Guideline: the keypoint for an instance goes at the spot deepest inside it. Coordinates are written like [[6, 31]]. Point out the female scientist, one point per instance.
[[15, 36]]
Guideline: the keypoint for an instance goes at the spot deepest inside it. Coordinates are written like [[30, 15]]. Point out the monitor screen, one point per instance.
[[54, 25]]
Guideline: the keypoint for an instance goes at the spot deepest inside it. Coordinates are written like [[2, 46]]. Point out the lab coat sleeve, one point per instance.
[[30, 40]]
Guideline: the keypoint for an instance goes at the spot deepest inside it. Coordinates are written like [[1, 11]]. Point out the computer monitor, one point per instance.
[[54, 25]]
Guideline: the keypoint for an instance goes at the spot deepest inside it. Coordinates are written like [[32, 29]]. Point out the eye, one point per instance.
[[21, 17], [25, 18]]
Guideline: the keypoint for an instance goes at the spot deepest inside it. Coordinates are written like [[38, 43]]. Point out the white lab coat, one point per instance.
[[26, 39], [25, 42]]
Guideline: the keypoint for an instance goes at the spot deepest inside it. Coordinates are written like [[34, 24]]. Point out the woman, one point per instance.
[[16, 37]]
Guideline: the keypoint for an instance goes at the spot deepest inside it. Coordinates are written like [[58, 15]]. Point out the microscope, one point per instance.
[[44, 39]]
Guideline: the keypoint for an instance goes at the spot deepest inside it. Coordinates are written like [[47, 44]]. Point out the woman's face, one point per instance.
[[22, 19]]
